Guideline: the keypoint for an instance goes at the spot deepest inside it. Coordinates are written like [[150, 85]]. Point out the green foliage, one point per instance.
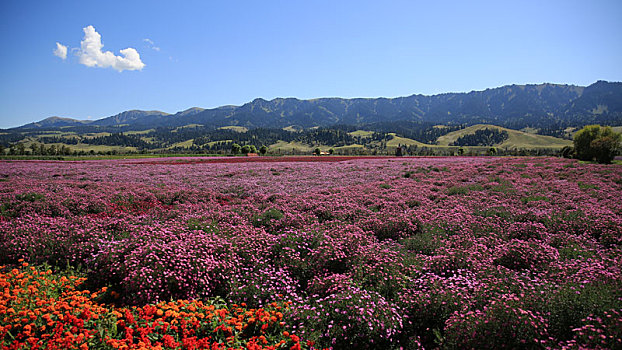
[[594, 142], [566, 152], [200, 225], [236, 149], [606, 148], [534, 198], [317, 151], [267, 219], [30, 197], [424, 243], [248, 149], [454, 190], [485, 137], [586, 186], [574, 302], [263, 150]]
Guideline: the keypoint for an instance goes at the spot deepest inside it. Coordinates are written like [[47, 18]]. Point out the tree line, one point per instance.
[[485, 137]]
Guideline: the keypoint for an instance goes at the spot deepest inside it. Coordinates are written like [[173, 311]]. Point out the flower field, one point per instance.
[[365, 253]]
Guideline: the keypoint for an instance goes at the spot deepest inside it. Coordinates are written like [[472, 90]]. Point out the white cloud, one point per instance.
[[91, 54], [61, 50], [151, 44]]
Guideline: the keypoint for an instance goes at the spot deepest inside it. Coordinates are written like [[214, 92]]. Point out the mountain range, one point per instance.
[[548, 106]]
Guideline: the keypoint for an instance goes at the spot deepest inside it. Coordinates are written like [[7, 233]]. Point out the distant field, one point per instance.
[[353, 146], [288, 146], [234, 128], [183, 144], [96, 134], [141, 132], [516, 139], [291, 128], [397, 141], [361, 133]]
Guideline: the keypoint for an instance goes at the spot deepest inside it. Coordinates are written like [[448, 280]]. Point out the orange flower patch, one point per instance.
[[40, 310]]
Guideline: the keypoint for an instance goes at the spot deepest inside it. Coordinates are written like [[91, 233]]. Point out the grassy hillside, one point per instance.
[[140, 132], [397, 141], [183, 144], [361, 133], [288, 146], [234, 128], [516, 139]]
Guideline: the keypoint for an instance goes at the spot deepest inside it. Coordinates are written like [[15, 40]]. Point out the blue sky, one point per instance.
[[213, 53]]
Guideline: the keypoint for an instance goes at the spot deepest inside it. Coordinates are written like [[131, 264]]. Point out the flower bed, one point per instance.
[[370, 252]]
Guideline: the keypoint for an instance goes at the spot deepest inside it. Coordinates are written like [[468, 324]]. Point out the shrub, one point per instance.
[[596, 142], [518, 255], [603, 331], [383, 269], [162, 265], [501, 324], [575, 301], [308, 254], [391, 225], [431, 299], [351, 318], [259, 285], [526, 230], [424, 243]]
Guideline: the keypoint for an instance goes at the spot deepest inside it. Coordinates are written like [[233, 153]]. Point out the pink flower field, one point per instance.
[[366, 253]]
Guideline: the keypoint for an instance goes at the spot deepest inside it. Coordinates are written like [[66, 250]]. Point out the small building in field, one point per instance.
[[252, 155]]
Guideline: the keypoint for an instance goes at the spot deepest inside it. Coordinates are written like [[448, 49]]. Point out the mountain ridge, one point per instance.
[[514, 106]]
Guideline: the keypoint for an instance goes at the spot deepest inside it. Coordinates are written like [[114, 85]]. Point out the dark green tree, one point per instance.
[[34, 147], [235, 148], [263, 150], [317, 151], [605, 148], [21, 149], [566, 151], [398, 151], [596, 142], [246, 149]]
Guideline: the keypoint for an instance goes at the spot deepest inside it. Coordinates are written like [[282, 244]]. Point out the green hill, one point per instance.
[[516, 139], [403, 141]]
